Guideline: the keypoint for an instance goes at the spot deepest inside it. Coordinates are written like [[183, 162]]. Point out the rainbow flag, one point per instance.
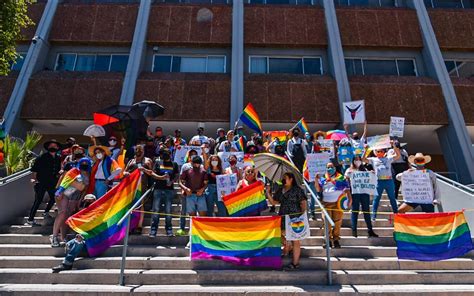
[[240, 144], [68, 179], [432, 236], [248, 160], [247, 241], [250, 118], [247, 201], [98, 222], [306, 171], [302, 126], [281, 135]]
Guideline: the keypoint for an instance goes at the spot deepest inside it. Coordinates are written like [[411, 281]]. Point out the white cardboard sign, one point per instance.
[[316, 163], [417, 187], [397, 126], [226, 184], [327, 146], [363, 182], [225, 158], [180, 153], [379, 142], [354, 112], [296, 228]]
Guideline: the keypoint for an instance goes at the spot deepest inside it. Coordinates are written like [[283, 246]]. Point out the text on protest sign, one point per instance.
[[226, 184], [327, 146], [225, 158], [363, 182], [379, 142], [417, 187], [316, 163], [180, 153], [354, 112], [397, 126]]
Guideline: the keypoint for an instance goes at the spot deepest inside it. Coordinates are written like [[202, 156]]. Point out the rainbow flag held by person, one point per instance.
[[98, 222], [246, 241], [250, 118], [247, 201], [281, 135], [68, 179], [248, 160], [302, 126], [432, 236], [240, 144]]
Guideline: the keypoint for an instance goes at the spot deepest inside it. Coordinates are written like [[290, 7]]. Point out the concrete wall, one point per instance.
[[16, 197]]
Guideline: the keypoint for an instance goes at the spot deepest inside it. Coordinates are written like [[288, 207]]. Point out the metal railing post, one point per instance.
[[328, 254], [124, 254]]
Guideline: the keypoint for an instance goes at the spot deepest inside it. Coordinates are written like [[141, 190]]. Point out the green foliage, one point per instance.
[[18, 152], [13, 17]]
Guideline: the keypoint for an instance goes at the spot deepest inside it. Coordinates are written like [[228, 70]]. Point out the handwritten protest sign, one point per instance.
[[417, 187], [226, 184], [397, 126], [327, 146], [225, 158], [379, 142], [345, 154], [181, 151], [316, 163], [354, 112], [297, 228], [363, 182]]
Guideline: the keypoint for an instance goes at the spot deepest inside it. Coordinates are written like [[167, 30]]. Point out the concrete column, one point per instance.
[[454, 139], [33, 63], [137, 54], [337, 65], [237, 71]]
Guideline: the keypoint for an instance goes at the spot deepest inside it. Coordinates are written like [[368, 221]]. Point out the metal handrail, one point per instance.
[[14, 176], [455, 184]]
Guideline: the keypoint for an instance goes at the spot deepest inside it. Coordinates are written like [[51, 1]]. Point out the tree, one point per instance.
[[13, 17]]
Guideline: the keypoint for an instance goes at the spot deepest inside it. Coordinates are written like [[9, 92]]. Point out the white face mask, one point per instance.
[[206, 150], [214, 163], [357, 163], [112, 142], [320, 138], [99, 156]]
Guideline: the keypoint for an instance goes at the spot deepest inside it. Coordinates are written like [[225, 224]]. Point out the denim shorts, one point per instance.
[[196, 203]]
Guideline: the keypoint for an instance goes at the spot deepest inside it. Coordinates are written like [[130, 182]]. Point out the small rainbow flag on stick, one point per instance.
[[247, 201], [247, 241], [432, 236], [302, 125], [67, 180], [98, 222], [250, 118], [240, 144]]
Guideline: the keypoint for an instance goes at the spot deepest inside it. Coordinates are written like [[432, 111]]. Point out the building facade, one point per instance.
[[203, 60]]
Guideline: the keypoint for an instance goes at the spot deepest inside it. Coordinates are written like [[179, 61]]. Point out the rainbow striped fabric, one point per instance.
[[250, 118], [432, 236], [281, 135], [247, 241], [248, 201], [98, 222], [68, 179], [240, 144], [302, 125]]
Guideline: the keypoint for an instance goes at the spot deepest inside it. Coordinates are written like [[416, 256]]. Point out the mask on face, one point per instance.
[[233, 162], [206, 150], [283, 182], [357, 163], [331, 171], [112, 142], [420, 166], [214, 163], [99, 156], [84, 167], [320, 138], [380, 154], [79, 155], [166, 156], [296, 134], [52, 149], [356, 137]]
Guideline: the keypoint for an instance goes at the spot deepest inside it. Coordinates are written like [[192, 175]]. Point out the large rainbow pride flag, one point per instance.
[[432, 236], [98, 222], [247, 241], [250, 118], [248, 201]]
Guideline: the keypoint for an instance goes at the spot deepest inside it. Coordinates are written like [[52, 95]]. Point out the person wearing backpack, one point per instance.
[[297, 149]]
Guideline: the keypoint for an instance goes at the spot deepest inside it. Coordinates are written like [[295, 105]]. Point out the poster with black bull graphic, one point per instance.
[[354, 112]]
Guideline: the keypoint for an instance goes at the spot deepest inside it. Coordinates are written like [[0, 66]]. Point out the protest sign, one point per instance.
[[226, 184], [354, 112], [327, 146], [180, 153], [379, 142], [417, 187], [225, 158], [345, 154], [363, 182], [397, 126], [296, 228], [316, 164]]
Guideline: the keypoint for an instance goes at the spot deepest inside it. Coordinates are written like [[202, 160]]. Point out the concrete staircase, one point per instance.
[[161, 265]]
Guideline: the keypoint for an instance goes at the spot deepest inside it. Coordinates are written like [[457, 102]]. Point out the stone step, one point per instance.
[[234, 277], [307, 263]]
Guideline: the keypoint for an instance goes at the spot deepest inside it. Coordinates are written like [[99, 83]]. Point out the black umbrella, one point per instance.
[[149, 109]]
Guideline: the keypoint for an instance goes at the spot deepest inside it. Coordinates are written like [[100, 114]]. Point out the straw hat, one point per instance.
[[422, 159], [105, 149], [318, 134]]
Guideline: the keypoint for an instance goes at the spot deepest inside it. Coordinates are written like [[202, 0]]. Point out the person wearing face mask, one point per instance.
[[67, 148], [331, 186], [228, 145], [233, 168], [200, 138], [356, 140], [159, 138], [292, 200], [45, 176], [239, 132], [68, 197], [310, 141], [419, 162], [213, 167], [187, 166], [398, 166], [194, 182], [178, 139], [113, 147], [104, 171], [71, 160], [297, 149], [359, 199], [382, 165]]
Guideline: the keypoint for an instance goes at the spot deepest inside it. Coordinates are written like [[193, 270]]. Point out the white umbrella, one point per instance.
[[94, 131], [274, 166]]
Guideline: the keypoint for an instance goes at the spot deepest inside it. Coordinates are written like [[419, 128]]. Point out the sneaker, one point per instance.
[[152, 233], [337, 245], [181, 232], [313, 216], [354, 233], [55, 242], [169, 232], [372, 233], [61, 267], [32, 223], [325, 246]]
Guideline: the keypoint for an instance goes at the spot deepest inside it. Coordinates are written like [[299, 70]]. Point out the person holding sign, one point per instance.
[[233, 169], [428, 187], [382, 164], [213, 167], [359, 199], [356, 140]]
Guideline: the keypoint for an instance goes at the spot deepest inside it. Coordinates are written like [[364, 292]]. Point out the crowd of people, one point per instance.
[[99, 167]]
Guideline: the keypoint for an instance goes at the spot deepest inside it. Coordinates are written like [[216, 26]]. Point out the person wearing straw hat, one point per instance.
[[418, 162], [104, 170]]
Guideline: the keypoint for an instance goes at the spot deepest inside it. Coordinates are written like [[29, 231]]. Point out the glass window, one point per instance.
[[119, 63], [380, 67], [66, 62], [193, 65], [285, 65], [445, 3], [16, 66], [312, 66], [380, 3], [258, 65], [463, 69], [162, 63], [215, 64], [451, 67], [354, 67], [84, 63], [277, 2], [102, 63], [406, 68]]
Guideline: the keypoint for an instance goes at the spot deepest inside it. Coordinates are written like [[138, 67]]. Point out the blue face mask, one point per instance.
[[420, 166], [331, 171]]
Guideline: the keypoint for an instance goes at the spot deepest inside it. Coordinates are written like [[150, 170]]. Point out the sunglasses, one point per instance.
[[249, 172]]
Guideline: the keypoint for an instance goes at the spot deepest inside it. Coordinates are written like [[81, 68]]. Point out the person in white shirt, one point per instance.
[[229, 144], [200, 138], [355, 139]]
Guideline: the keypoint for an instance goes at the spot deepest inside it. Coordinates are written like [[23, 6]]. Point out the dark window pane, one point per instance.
[[162, 63], [215, 64], [468, 3], [102, 63], [312, 66], [16, 66], [341, 2], [359, 2], [119, 63], [258, 65], [193, 65], [406, 68], [278, 2], [465, 69], [387, 3], [428, 4], [353, 67], [305, 2], [176, 64], [380, 67], [286, 65], [257, 1], [451, 67], [447, 3], [85, 63], [66, 62]]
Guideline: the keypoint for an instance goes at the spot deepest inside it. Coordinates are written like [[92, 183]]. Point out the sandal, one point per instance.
[[291, 267]]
